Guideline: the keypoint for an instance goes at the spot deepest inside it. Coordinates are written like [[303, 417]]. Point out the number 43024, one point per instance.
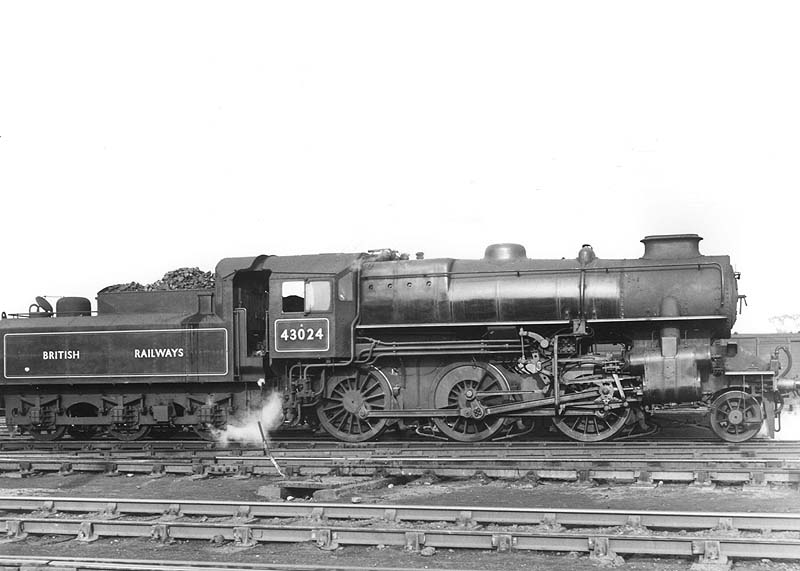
[[302, 334]]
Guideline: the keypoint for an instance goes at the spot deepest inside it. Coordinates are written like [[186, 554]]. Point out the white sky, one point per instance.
[[139, 137]]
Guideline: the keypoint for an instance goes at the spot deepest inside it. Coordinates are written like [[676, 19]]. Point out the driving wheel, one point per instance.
[[456, 390], [343, 413]]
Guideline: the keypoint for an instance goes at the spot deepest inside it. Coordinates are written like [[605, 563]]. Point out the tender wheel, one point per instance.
[[592, 427], [342, 414], [736, 416], [53, 433], [456, 389], [129, 434]]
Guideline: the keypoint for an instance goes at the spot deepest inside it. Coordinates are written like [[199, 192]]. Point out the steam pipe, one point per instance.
[[788, 361]]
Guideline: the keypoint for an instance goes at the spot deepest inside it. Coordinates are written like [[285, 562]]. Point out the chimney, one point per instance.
[[671, 246]]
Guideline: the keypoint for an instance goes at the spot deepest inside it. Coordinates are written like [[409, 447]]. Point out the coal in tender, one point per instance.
[[182, 278]]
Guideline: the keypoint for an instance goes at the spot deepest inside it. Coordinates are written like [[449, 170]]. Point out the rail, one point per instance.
[[708, 535], [609, 463], [44, 563]]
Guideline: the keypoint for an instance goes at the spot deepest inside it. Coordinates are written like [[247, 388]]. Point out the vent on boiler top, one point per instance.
[[671, 246], [505, 252]]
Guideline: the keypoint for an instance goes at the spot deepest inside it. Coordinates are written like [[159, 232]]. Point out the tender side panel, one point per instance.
[[109, 354]]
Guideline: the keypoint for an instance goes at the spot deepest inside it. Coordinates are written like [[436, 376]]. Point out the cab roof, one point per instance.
[[290, 265]]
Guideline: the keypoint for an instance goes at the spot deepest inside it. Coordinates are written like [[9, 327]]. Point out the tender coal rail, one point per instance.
[[712, 537]]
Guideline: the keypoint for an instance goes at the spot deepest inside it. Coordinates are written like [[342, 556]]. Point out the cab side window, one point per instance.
[[293, 294], [318, 296], [309, 297]]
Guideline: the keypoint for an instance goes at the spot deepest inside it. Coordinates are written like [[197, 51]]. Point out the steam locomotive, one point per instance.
[[464, 349]]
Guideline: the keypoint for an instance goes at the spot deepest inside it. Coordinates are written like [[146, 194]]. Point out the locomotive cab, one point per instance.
[[312, 307], [286, 309]]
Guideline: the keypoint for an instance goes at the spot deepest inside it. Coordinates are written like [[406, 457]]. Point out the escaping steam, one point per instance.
[[245, 429], [785, 323], [790, 422]]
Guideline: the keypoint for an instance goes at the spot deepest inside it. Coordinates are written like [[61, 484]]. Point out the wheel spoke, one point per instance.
[[374, 388], [339, 412]]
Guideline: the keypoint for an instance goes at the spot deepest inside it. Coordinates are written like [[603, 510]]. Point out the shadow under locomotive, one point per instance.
[[356, 343]]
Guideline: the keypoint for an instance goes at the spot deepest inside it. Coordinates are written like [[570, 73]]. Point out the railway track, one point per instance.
[[767, 449], [711, 537], [750, 463], [16, 563], [683, 424]]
